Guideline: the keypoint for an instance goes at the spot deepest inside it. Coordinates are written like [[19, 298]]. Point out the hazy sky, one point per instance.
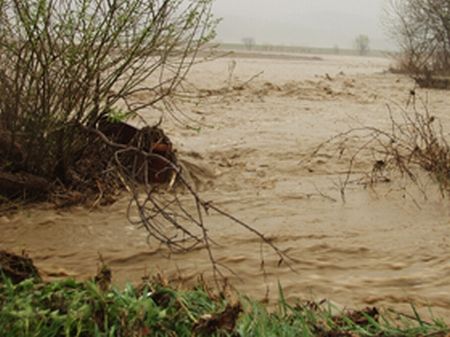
[[317, 23]]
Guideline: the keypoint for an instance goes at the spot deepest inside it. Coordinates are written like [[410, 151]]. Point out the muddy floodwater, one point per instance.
[[387, 245]]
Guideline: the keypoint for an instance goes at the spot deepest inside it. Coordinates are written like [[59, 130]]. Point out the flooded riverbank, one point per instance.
[[383, 246]]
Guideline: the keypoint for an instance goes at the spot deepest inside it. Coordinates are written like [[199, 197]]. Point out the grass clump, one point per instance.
[[71, 308]]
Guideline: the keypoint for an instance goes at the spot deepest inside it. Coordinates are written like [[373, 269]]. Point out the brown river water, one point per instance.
[[385, 246]]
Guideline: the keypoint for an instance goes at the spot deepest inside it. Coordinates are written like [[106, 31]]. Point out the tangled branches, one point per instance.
[[415, 139], [422, 31], [68, 66], [173, 214], [73, 62]]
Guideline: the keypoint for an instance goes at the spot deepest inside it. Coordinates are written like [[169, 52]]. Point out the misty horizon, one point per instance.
[[321, 24]]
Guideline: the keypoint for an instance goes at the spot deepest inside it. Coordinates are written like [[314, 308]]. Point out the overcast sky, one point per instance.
[[315, 23]]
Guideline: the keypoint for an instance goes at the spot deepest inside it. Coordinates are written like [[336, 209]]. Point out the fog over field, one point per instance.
[[318, 23]]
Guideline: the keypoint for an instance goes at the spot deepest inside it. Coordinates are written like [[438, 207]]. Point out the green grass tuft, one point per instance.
[[70, 308]]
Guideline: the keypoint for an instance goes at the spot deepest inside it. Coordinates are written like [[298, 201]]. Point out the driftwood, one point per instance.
[[22, 185], [13, 182]]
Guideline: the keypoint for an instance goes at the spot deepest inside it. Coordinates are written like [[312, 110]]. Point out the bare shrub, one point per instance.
[[66, 66], [422, 31], [69, 63], [414, 140]]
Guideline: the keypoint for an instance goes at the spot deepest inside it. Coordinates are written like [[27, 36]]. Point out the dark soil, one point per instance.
[[107, 154], [17, 268]]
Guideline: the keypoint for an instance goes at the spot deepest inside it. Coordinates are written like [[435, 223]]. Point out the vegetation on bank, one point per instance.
[[70, 71], [71, 308], [422, 32]]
